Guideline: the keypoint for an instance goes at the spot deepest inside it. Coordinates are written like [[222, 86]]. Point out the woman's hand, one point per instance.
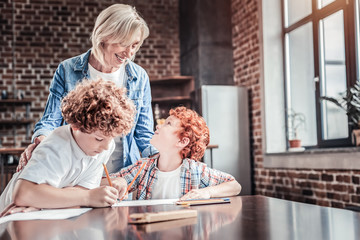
[[26, 155], [102, 196], [12, 208], [202, 193]]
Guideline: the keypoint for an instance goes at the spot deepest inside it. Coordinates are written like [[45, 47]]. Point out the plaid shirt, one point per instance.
[[193, 175]]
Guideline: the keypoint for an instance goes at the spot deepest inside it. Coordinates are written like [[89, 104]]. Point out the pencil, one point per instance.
[[132, 182], [191, 202], [107, 175]]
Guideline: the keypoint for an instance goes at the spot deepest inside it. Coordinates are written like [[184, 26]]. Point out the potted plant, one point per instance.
[[295, 121], [349, 101]]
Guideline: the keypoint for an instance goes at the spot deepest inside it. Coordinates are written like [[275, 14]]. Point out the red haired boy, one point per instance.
[[177, 172]]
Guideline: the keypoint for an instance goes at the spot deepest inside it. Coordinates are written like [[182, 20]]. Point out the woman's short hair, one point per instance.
[[193, 127], [99, 105], [120, 23]]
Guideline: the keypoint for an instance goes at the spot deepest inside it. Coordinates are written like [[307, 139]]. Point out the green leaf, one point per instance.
[[350, 102]]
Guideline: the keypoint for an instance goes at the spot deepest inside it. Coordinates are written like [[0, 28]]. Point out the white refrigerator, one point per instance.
[[225, 109]]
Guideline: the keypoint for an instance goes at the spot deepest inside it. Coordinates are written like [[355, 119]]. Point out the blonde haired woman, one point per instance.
[[118, 33]]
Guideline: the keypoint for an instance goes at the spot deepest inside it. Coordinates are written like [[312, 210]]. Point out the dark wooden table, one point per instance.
[[248, 217]]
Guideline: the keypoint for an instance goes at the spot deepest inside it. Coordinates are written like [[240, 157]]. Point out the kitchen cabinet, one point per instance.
[[169, 92]]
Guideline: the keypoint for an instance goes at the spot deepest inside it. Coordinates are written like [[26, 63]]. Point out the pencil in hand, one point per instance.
[[132, 182], [107, 175]]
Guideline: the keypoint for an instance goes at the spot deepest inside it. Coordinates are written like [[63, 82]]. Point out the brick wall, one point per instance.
[[246, 45], [322, 187], [37, 35]]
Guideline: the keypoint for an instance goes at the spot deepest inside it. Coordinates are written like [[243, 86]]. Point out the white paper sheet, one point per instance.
[[145, 202], [45, 214]]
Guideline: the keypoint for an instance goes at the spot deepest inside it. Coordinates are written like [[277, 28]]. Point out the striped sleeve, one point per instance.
[[129, 172], [212, 177]]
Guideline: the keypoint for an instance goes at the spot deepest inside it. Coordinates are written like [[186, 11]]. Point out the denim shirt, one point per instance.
[[72, 71]]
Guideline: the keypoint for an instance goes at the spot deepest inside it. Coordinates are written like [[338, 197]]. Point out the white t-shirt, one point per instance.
[[118, 77], [116, 161], [59, 162], [167, 185]]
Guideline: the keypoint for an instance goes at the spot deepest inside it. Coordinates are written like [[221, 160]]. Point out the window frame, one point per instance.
[[315, 17]]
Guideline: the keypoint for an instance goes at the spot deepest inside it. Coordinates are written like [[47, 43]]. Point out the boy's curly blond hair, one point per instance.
[[99, 105], [193, 127]]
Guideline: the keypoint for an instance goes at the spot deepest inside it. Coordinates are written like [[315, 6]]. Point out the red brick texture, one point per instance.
[[37, 35], [322, 187]]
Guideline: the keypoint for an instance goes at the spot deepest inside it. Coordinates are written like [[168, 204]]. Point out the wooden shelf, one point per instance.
[[172, 88], [211, 146], [171, 80], [172, 99], [12, 150], [16, 101], [16, 122]]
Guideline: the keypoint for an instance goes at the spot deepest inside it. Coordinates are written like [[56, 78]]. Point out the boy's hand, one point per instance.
[[121, 185], [202, 193], [102, 196], [12, 208]]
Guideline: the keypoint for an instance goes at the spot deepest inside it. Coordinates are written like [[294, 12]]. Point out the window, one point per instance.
[[321, 54]]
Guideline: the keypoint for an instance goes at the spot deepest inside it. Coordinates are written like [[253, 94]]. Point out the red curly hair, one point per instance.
[[99, 105], [193, 127]]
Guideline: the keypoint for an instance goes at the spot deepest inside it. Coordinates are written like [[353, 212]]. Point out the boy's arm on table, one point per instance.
[[213, 183], [27, 193], [222, 190], [12, 208]]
